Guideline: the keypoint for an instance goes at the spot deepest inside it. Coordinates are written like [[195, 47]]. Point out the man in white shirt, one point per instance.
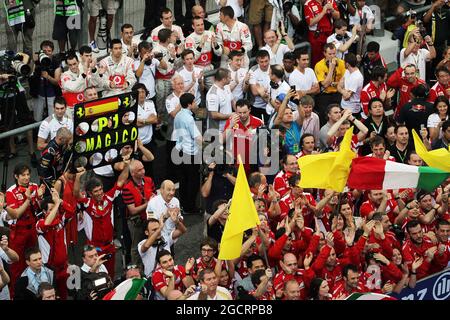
[[92, 262], [219, 100], [172, 108], [146, 115], [146, 65], [192, 75], [167, 23], [232, 35], [351, 85], [415, 55], [239, 75], [129, 47], [357, 15], [51, 124], [203, 43], [165, 205], [210, 289], [277, 86], [304, 78], [341, 38], [237, 6], [118, 74], [148, 248], [260, 85], [274, 46]]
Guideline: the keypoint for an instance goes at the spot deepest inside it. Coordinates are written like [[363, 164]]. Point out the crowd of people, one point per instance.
[[196, 85]]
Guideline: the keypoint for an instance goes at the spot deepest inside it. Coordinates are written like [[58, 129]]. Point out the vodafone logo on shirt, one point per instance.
[[117, 80]]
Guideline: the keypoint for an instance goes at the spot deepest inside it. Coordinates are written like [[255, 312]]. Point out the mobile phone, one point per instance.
[[293, 88], [4, 232]]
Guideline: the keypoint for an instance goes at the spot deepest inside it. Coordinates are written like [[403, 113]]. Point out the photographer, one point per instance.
[[145, 67], [416, 55], [218, 184], [291, 20], [20, 16], [44, 83], [95, 281], [436, 19], [13, 102]]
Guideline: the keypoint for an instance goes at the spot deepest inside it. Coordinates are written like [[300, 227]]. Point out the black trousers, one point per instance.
[[260, 114], [189, 177], [178, 8], [152, 13], [323, 100], [171, 168]]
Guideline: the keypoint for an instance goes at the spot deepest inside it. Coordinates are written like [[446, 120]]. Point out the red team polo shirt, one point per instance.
[[160, 280], [438, 90], [313, 8], [15, 197], [98, 217], [287, 203], [242, 136], [281, 183], [52, 240], [367, 207], [368, 92]]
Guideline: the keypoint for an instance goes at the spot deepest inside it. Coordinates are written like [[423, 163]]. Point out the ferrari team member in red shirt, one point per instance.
[[350, 283], [97, 207], [376, 88], [442, 86], [319, 15], [22, 206], [404, 80], [168, 276], [242, 126], [290, 168], [51, 233], [418, 245]]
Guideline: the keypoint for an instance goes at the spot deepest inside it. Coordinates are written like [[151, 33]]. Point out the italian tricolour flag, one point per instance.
[[369, 296], [368, 173], [126, 290]]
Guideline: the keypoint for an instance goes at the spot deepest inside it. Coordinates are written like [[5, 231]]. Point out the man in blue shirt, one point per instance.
[[187, 149]]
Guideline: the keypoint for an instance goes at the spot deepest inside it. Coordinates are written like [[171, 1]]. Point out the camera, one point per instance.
[[422, 30], [107, 256], [12, 64], [4, 232], [178, 42], [148, 62], [158, 55], [287, 6], [44, 60]]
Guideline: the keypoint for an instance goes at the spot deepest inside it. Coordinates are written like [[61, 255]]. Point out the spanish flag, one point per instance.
[[243, 216], [439, 158], [96, 108], [328, 170]]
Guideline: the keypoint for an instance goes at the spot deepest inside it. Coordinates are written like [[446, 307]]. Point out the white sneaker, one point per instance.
[[94, 47]]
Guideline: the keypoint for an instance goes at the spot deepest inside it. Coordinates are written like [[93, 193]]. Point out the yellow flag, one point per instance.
[[243, 216], [329, 170], [439, 158]]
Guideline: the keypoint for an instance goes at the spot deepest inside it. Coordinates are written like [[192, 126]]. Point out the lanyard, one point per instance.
[[377, 130], [400, 154]]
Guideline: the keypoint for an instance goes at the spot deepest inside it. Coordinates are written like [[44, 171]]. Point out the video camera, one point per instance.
[[11, 63]]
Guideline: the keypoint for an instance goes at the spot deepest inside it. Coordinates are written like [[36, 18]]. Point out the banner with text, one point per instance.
[[105, 129], [434, 287]]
